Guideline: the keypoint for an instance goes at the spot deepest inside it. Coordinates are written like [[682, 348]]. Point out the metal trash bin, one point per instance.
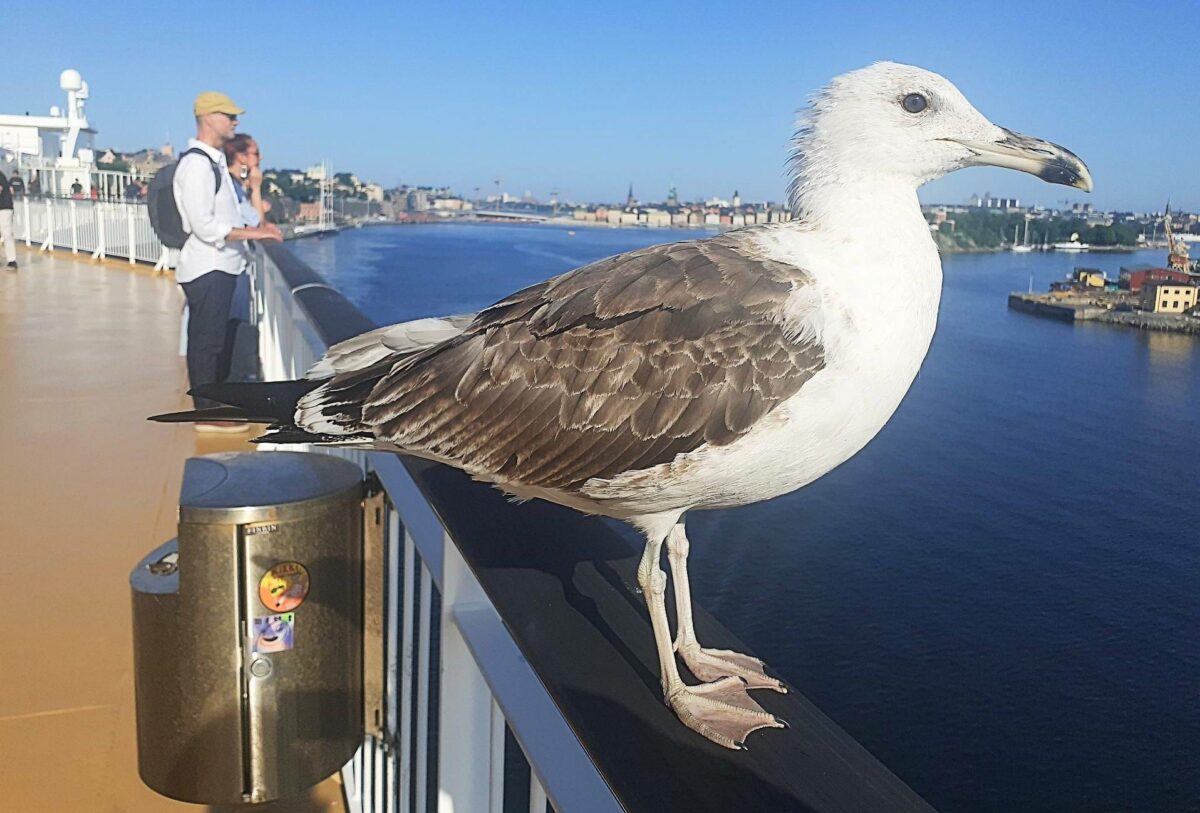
[[248, 630]]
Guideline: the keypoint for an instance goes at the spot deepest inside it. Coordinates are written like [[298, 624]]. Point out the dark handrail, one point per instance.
[[564, 585]]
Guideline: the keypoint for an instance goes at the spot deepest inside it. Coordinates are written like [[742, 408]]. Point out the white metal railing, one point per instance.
[[443, 638], [57, 181], [99, 228]]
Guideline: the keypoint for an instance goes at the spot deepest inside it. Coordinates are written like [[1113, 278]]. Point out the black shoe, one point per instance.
[[13, 265]]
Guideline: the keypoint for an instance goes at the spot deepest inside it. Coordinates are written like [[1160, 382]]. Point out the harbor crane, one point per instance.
[[1177, 250]]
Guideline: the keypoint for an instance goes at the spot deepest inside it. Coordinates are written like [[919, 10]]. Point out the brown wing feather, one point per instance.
[[620, 365]]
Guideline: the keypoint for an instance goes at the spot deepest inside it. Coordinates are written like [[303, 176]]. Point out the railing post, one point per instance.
[[132, 235], [497, 760], [537, 794], [407, 613], [28, 225], [98, 254], [421, 756], [464, 759], [74, 227], [49, 241]]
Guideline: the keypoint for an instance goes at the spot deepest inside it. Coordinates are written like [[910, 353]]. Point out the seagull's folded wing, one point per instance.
[[618, 366]]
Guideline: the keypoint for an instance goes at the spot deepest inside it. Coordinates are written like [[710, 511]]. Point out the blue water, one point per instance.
[[999, 596]]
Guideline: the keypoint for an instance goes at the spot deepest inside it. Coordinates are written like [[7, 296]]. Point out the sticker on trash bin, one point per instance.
[[274, 633], [284, 587]]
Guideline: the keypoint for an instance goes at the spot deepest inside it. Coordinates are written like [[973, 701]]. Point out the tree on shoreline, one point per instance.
[[990, 230]]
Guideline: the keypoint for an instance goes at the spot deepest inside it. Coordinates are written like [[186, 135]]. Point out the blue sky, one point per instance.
[[586, 98]]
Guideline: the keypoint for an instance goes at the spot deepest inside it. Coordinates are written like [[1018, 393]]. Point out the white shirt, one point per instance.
[[207, 217]]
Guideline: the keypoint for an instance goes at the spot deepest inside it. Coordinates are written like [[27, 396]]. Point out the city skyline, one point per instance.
[[585, 101]]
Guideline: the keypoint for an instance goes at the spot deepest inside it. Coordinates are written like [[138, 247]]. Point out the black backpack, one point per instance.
[[160, 201]]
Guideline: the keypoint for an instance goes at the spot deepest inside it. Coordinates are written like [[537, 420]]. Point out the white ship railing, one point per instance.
[[442, 637], [102, 229]]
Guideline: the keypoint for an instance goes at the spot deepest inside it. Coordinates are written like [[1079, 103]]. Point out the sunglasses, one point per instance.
[[230, 116]]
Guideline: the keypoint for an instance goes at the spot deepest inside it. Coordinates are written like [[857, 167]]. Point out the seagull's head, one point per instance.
[[899, 122]]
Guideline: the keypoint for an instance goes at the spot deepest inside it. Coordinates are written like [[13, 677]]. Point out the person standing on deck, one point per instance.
[[244, 159], [213, 256], [242, 155], [6, 223]]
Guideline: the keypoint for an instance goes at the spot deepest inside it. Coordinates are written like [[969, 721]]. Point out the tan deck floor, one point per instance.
[[88, 487]]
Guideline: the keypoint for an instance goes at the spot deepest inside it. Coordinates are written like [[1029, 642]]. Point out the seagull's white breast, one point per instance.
[[873, 307]]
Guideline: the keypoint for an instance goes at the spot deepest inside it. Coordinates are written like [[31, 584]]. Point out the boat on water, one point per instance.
[[313, 230], [1072, 246], [1023, 246]]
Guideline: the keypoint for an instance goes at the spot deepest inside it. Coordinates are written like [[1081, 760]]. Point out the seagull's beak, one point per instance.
[[1049, 162]]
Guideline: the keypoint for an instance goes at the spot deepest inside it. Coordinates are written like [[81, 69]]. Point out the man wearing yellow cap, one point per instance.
[[215, 252]]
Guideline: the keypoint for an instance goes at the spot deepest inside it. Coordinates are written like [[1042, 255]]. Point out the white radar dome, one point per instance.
[[55, 111], [70, 80]]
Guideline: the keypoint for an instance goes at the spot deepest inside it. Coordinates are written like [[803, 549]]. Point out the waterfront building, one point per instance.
[[657, 218], [417, 200], [1168, 297], [147, 162], [451, 204], [1133, 278]]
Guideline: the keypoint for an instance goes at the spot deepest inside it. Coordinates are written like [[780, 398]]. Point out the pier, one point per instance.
[[517, 665], [1083, 310]]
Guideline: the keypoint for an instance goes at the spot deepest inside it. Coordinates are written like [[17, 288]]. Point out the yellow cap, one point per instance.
[[212, 102]]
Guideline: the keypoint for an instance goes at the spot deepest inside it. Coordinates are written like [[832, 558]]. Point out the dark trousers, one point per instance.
[[209, 339]]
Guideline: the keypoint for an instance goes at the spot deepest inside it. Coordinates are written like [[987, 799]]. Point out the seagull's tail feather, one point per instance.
[[217, 413], [270, 402], [261, 401]]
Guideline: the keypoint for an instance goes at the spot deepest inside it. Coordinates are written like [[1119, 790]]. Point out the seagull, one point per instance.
[[688, 376]]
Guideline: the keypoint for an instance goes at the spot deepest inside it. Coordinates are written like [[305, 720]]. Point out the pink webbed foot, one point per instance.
[[721, 711], [712, 664]]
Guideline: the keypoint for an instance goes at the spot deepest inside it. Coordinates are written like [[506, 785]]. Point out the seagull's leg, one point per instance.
[[707, 664], [722, 710]]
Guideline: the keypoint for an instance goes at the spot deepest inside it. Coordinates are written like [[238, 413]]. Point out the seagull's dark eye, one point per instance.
[[915, 103]]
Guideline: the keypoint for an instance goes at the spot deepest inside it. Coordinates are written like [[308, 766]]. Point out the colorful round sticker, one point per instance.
[[284, 587]]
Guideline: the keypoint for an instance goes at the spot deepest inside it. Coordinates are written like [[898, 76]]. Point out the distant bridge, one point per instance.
[[502, 215]]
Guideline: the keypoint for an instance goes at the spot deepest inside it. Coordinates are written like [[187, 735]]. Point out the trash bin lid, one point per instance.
[[241, 487]]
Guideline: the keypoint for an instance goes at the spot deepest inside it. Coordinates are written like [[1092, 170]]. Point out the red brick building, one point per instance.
[[1134, 277]]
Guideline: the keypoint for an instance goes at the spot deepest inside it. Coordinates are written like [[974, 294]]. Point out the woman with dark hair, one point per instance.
[[242, 155], [244, 159]]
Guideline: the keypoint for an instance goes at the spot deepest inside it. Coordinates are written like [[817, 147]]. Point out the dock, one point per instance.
[[1055, 308], [1075, 309], [89, 350]]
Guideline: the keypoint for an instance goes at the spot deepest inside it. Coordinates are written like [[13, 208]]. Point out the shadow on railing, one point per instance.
[[516, 642]]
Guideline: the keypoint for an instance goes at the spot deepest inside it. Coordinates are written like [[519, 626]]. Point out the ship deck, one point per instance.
[[89, 487]]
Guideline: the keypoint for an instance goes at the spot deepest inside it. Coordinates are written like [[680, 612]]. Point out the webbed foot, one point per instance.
[[721, 711], [712, 664]]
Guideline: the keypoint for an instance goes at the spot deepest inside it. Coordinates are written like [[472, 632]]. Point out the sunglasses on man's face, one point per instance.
[[230, 116]]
